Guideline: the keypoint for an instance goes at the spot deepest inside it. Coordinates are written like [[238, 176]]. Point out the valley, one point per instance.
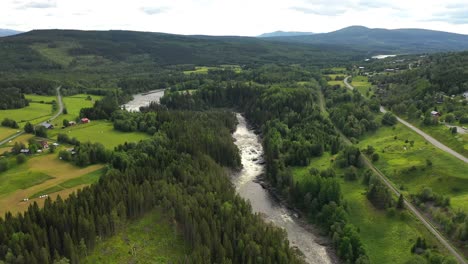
[[138, 147]]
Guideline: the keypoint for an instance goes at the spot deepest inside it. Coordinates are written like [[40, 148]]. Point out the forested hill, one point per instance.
[[58, 49], [378, 40]]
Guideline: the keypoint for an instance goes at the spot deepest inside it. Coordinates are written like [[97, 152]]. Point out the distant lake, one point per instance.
[[379, 57]]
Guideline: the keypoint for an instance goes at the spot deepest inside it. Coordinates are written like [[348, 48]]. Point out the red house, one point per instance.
[[85, 120]]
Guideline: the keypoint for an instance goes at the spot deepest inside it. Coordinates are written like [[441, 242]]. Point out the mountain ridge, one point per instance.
[[377, 40], [8, 32]]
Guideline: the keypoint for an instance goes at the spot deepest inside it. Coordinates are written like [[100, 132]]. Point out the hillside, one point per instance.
[[70, 49], [377, 40], [284, 34]]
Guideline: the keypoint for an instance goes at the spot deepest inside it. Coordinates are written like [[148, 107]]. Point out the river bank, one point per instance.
[[266, 201]]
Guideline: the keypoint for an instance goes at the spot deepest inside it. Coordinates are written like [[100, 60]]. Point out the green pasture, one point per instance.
[[362, 84], [406, 164], [99, 131], [34, 113], [85, 179]]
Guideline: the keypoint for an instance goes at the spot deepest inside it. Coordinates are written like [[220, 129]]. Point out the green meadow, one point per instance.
[[73, 104], [34, 113], [150, 239], [457, 142], [361, 83], [99, 131], [404, 157], [6, 131]]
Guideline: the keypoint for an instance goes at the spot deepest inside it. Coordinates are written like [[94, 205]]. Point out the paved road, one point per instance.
[[408, 204], [432, 140], [60, 102]]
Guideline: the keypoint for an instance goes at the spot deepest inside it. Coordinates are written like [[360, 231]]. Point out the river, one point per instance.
[[262, 202], [143, 99]]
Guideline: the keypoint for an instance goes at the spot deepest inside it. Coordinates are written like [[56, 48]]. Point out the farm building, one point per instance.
[[85, 120], [47, 125], [71, 123], [435, 113]]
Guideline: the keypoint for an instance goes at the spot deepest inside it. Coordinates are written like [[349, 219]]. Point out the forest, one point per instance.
[[176, 171]]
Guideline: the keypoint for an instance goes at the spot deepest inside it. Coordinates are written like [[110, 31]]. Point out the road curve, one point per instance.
[[431, 140], [60, 102], [408, 204]]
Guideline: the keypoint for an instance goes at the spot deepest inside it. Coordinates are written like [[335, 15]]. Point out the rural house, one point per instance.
[[435, 113], [47, 125], [85, 120]]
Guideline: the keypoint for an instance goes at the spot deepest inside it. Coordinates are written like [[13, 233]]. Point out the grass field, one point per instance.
[[40, 172], [387, 239], [205, 69], [34, 113], [83, 180], [99, 131], [6, 131], [153, 237], [361, 83], [73, 104], [457, 142], [405, 165], [41, 98], [21, 139]]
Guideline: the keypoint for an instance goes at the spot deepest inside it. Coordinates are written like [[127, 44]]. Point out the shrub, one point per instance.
[[21, 158]]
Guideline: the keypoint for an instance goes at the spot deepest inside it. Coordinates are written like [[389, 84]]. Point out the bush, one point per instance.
[[9, 123], [3, 165], [375, 157], [21, 158], [389, 119]]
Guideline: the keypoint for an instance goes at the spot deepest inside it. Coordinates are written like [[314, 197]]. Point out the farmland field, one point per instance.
[[34, 113], [39, 173], [73, 104], [99, 131], [153, 238], [6, 131]]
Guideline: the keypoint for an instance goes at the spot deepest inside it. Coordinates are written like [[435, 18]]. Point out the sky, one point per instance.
[[233, 17]]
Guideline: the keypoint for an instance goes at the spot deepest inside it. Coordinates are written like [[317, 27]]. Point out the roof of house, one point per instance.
[[46, 125]]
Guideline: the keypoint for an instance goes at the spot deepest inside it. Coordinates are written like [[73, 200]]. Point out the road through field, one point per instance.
[[430, 139], [59, 112], [408, 204]]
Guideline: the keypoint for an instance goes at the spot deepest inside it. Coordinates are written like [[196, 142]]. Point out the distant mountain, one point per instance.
[[129, 48], [8, 32], [378, 40], [284, 34]]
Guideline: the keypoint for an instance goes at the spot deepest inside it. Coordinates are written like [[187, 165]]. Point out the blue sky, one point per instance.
[[233, 17]]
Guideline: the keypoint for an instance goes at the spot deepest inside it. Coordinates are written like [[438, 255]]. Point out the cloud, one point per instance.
[[320, 10], [154, 10], [454, 16], [38, 5], [373, 4]]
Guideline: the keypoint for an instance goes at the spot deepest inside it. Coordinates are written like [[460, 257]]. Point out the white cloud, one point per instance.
[[233, 17]]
